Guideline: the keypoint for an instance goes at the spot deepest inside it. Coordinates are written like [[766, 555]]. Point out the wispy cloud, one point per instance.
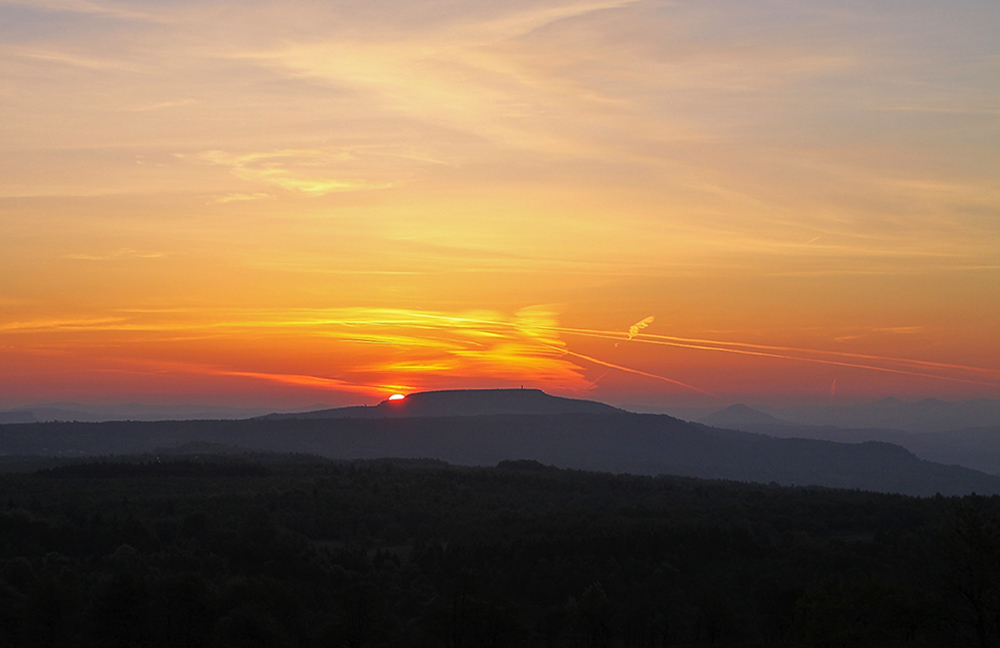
[[301, 170], [467, 74], [121, 253], [83, 7], [899, 330], [404, 348], [241, 197], [638, 326], [69, 58], [296, 380], [162, 105], [54, 325]]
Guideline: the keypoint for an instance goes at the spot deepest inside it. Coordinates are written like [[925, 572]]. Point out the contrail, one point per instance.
[[714, 345], [635, 371], [632, 332], [844, 354]]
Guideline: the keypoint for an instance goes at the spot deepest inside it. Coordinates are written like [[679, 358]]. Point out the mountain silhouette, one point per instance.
[[463, 402], [484, 427]]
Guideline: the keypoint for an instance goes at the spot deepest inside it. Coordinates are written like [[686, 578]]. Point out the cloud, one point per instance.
[[70, 58], [468, 74], [296, 380], [161, 105], [899, 330], [82, 7], [299, 170], [66, 324], [122, 253], [241, 197], [638, 326], [404, 349]]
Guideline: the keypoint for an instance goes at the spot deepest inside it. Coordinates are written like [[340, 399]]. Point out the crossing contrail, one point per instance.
[[634, 371], [785, 353]]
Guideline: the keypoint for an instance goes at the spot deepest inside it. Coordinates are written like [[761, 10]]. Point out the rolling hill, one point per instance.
[[492, 426]]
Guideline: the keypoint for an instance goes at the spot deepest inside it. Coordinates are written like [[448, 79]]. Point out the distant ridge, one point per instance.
[[463, 402], [742, 417], [927, 415], [643, 444], [17, 416]]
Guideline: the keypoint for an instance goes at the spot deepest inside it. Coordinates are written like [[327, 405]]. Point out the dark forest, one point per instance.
[[269, 550]]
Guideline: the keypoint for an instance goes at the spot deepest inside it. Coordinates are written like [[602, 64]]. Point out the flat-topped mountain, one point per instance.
[[464, 402]]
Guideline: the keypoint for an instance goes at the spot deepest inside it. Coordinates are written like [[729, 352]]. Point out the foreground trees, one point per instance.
[[270, 551]]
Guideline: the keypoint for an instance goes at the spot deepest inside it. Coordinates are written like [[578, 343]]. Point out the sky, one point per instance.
[[282, 204]]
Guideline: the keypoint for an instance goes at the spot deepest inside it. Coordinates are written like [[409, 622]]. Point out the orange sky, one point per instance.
[[297, 203]]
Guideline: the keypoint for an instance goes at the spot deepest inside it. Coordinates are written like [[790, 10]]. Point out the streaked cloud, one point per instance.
[[82, 7], [305, 171], [241, 197], [67, 58], [412, 349], [49, 325], [162, 105], [122, 253]]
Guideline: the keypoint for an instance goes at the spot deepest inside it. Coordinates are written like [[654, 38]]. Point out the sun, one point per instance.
[[397, 397]]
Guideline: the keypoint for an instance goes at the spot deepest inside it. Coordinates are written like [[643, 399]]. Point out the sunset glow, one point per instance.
[[655, 203]]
